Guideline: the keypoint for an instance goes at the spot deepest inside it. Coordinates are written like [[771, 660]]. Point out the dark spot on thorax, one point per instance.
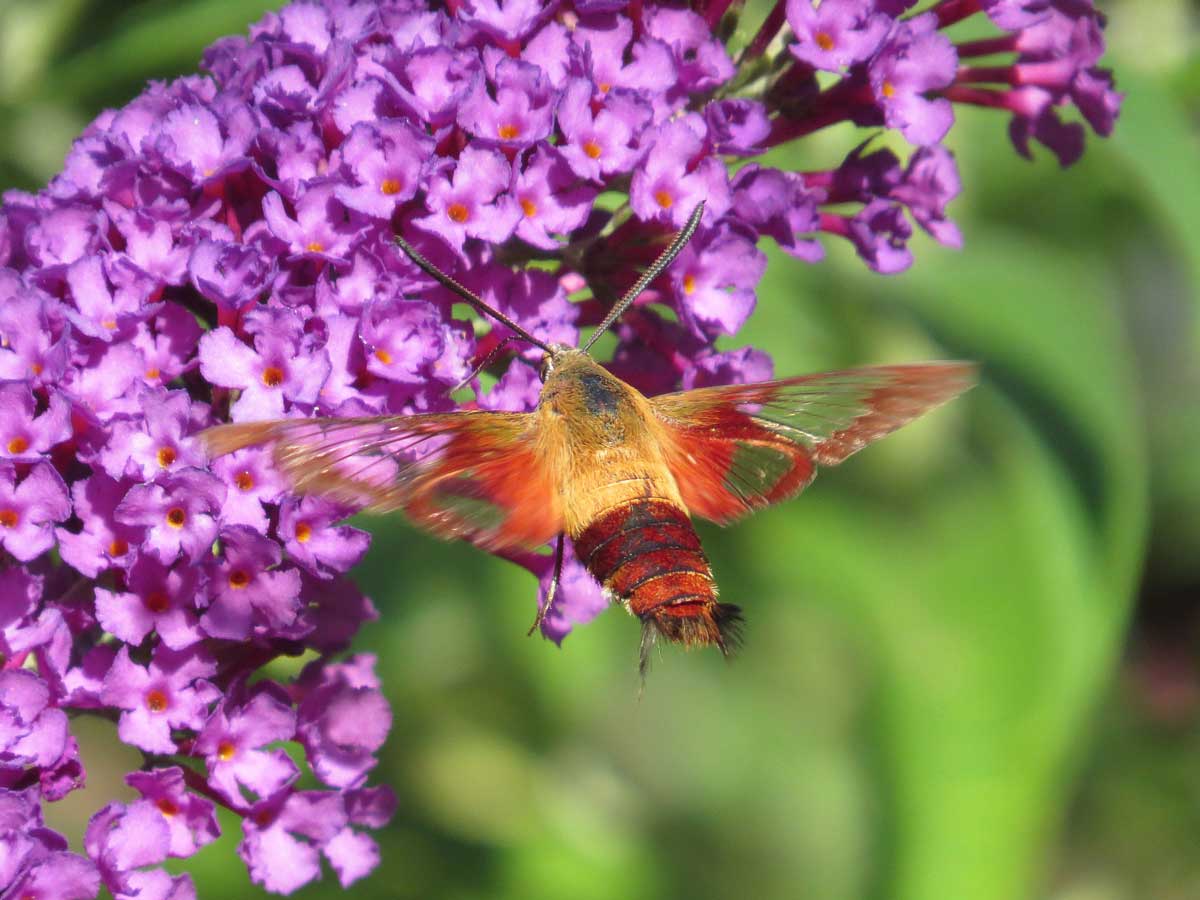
[[598, 395]]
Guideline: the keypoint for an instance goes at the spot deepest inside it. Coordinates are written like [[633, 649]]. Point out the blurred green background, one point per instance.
[[971, 667]]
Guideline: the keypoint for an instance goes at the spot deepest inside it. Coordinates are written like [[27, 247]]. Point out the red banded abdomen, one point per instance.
[[646, 553]]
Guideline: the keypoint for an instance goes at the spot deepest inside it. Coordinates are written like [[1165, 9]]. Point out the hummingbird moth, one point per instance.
[[619, 473]]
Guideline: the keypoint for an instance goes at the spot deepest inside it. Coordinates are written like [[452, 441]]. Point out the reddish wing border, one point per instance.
[[473, 475], [735, 449]]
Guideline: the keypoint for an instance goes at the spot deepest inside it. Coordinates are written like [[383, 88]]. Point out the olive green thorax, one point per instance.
[[592, 402]]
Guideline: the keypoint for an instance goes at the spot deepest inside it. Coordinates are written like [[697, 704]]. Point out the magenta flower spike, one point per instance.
[[221, 249]]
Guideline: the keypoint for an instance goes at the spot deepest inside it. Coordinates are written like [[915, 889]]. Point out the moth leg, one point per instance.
[[553, 591]]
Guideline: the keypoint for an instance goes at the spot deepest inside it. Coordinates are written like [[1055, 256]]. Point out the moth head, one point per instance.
[[550, 358]]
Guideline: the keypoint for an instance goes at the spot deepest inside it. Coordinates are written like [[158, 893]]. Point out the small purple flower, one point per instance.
[[231, 275], [33, 345], [517, 390], [603, 142], [159, 599], [171, 693], [551, 200], [642, 67], [930, 182], [320, 229], [506, 19], [102, 309], [104, 388], [520, 113], [104, 542], [156, 444], [29, 509], [179, 512], [313, 540], [779, 205], [714, 281], [666, 188], [251, 480], [246, 588], [191, 820], [701, 62], [56, 876], [124, 839], [915, 59], [384, 162], [276, 369], [737, 126], [880, 234], [232, 742], [202, 145], [407, 341], [32, 732], [836, 33], [151, 257], [471, 200], [285, 836], [25, 434], [343, 720], [167, 343]]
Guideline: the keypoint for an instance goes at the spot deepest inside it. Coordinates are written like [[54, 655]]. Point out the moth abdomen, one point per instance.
[[646, 553]]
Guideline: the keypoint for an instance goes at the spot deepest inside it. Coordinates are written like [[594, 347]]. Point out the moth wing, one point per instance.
[[475, 475], [737, 448]]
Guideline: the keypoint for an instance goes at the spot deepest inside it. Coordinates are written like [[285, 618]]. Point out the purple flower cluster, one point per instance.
[[221, 249]]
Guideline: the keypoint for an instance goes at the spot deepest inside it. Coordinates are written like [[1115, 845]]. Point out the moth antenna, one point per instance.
[[656, 268], [487, 361], [450, 284]]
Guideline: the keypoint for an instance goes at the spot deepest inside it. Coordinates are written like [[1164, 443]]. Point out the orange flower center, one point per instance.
[[604, 87], [35, 368], [383, 356], [244, 481], [888, 89], [314, 247], [225, 751], [238, 579], [390, 186], [118, 547], [664, 199], [529, 207], [303, 532], [166, 456], [272, 376], [592, 149], [153, 373], [18, 445], [509, 131], [158, 601], [458, 213], [156, 701], [689, 284], [824, 40], [109, 324], [167, 807], [9, 518], [176, 517]]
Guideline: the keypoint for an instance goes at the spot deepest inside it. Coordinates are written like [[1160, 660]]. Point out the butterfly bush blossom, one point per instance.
[[221, 249]]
